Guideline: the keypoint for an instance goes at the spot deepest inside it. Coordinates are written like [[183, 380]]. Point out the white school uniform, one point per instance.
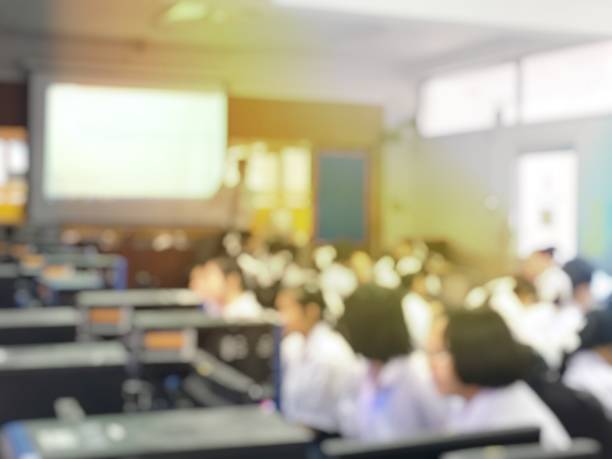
[[401, 402], [316, 370], [513, 406], [554, 284], [549, 329], [419, 319], [589, 372], [244, 307]]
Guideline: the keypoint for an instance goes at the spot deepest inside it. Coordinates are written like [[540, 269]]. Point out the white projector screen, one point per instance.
[[123, 152]]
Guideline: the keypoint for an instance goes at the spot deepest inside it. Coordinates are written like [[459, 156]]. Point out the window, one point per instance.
[[469, 101], [569, 83], [547, 202]]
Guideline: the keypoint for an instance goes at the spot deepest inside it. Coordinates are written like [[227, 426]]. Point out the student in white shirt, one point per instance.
[[590, 368], [317, 361], [549, 329], [474, 356], [393, 395], [220, 284], [552, 283], [418, 309]]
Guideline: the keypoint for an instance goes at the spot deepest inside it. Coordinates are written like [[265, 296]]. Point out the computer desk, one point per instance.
[[224, 433], [580, 449], [32, 378], [38, 325], [427, 446]]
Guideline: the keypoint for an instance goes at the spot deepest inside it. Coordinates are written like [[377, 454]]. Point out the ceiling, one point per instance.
[[260, 26]]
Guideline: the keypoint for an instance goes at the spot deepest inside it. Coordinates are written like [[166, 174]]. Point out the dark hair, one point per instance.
[[597, 330], [524, 287], [374, 323], [228, 266], [309, 294], [579, 271], [483, 349]]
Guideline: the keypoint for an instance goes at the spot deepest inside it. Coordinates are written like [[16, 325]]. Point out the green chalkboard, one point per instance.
[[342, 196]]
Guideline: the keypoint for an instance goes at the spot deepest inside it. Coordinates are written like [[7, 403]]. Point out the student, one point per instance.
[[551, 330], [317, 361], [220, 284], [393, 395], [473, 355], [417, 307], [581, 274], [552, 283], [590, 368]]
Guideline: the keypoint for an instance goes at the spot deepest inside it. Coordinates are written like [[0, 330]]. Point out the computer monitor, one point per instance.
[[32, 378], [430, 447], [108, 313], [38, 326], [9, 277], [580, 449], [64, 288], [223, 433], [251, 347]]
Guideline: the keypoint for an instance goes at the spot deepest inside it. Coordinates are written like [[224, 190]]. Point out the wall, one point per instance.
[[438, 187], [334, 104], [245, 74]]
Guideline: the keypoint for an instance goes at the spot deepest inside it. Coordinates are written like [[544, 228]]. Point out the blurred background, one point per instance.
[[433, 122], [160, 156]]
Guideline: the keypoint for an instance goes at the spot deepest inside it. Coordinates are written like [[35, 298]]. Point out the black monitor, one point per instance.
[[38, 326], [580, 449], [64, 289], [9, 278], [251, 347], [429, 447], [32, 378], [108, 313], [113, 268], [224, 433]]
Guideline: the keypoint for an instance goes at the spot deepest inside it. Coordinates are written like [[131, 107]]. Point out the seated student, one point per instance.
[[418, 307], [473, 355], [316, 360], [220, 284], [581, 274], [551, 330], [392, 395], [552, 283], [590, 368]]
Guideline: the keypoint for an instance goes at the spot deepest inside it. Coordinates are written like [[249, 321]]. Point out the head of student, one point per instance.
[[219, 280], [597, 333], [472, 350], [300, 308], [538, 262], [374, 324], [581, 273]]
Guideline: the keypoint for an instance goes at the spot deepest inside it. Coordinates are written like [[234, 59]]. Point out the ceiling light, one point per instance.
[[186, 11]]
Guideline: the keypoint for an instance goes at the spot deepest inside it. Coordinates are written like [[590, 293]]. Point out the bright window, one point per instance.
[[569, 83], [469, 101]]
